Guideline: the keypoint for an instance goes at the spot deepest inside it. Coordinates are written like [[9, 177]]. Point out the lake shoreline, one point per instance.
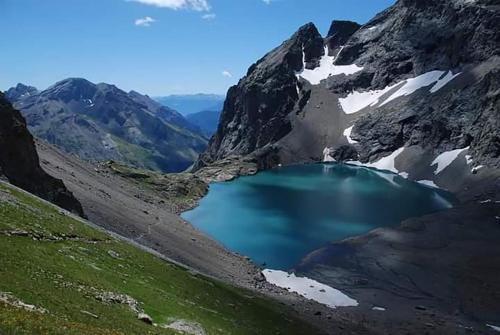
[[109, 199], [407, 316], [300, 208]]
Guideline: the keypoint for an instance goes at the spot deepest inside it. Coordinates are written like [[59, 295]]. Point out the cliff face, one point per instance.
[[420, 75], [20, 165], [255, 111]]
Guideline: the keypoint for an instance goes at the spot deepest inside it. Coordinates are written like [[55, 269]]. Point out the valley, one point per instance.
[[347, 183]]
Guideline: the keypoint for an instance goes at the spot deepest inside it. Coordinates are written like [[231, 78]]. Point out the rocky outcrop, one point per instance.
[[100, 122], [340, 32], [20, 165], [344, 153]]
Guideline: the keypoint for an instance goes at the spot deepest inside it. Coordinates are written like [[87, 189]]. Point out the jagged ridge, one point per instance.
[[101, 122]]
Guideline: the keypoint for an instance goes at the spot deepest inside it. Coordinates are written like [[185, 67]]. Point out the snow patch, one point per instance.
[[347, 134], [309, 289], [429, 183], [89, 102], [445, 159], [495, 328], [405, 175], [356, 101], [387, 163], [476, 168], [326, 69], [413, 84], [469, 159], [443, 81], [376, 308], [326, 155]]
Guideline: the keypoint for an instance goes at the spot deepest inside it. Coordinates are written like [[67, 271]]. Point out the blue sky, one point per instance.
[[157, 47]]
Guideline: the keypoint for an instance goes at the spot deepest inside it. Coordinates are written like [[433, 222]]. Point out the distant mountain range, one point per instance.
[[206, 121], [195, 103], [101, 122]]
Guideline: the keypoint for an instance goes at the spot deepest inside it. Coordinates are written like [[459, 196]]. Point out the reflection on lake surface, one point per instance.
[[278, 216]]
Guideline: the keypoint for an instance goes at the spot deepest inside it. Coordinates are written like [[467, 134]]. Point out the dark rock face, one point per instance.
[[20, 165], [340, 32], [255, 110], [101, 122], [345, 153]]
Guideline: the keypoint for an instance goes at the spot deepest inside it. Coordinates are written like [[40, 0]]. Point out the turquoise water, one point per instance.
[[278, 216]]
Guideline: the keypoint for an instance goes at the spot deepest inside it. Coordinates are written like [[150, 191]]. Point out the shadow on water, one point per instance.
[[278, 216]]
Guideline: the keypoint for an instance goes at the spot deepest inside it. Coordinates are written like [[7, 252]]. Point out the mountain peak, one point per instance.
[[306, 32], [71, 89], [20, 91], [340, 27], [135, 93], [340, 32], [21, 86], [75, 81], [308, 28], [306, 43]]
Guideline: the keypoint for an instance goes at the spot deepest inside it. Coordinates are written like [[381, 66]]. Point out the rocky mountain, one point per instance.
[[20, 91], [193, 103], [206, 121], [409, 86], [101, 122], [19, 162]]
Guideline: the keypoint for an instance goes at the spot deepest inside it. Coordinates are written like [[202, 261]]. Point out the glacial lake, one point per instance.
[[278, 216]]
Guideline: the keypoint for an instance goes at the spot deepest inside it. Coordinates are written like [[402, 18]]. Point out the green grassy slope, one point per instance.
[[83, 281]]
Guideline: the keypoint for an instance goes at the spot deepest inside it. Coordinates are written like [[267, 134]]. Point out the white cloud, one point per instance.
[[210, 16], [145, 21], [267, 2], [227, 74], [197, 5]]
